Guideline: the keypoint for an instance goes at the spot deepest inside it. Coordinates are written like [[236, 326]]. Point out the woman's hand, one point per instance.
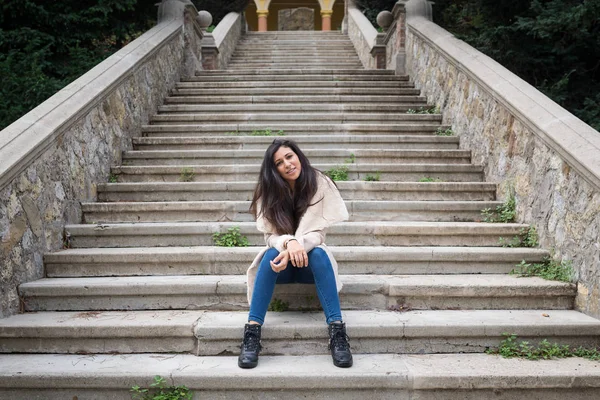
[[280, 262], [297, 254]]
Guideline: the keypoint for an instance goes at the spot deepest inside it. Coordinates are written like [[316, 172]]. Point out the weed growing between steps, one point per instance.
[[430, 110], [232, 238], [373, 178], [267, 132], [112, 178], [426, 179], [341, 173], [503, 213], [160, 391], [338, 173], [278, 305], [187, 175], [510, 347], [550, 269], [444, 132], [527, 237]]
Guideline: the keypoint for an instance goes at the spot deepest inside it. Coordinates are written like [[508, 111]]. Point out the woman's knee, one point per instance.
[[270, 254], [318, 257]]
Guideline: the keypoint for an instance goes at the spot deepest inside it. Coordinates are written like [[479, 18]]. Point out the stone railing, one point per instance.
[[218, 46], [528, 144], [363, 35], [52, 158], [383, 50]]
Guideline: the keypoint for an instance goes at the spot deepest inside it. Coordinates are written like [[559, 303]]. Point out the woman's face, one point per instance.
[[287, 164]]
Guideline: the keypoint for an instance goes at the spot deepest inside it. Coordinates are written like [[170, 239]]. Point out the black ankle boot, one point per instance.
[[339, 346], [250, 346]]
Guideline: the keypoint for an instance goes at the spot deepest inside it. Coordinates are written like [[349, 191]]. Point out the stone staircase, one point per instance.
[[142, 291]]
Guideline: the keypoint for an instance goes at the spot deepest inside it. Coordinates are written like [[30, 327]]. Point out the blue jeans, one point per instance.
[[319, 272]]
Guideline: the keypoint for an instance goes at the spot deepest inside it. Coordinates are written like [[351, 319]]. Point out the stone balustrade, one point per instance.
[[52, 158], [527, 143]]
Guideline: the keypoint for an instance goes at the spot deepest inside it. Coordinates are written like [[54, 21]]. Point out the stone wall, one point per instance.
[[526, 143], [363, 35], [227, 34], [53, 157]]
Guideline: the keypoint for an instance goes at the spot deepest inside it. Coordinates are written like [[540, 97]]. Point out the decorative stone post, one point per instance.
[[209, 47], [399, 25], [384, 19], [326, 20]]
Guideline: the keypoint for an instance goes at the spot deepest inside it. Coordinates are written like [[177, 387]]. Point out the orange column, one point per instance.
[[326, 19], [262, 20]]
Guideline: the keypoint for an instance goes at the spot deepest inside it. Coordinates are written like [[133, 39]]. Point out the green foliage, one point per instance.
[[428, 110], [219, 8], [527, 237], [444, 132], [266, 132], [187, 175], [351, 159], [503, 213], [45, 45], [210, 29], [232, 238], [278, 305], [160, 391], [370, 8], [113, 178], [552, 44], [338, 173], [429, 179], [550, 269], [510, 347], [373, 178]]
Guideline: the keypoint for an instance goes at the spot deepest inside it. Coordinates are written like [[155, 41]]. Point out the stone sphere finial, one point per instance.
[[204, 19], [385, 19]]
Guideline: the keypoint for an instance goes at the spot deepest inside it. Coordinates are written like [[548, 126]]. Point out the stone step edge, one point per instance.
[[428, 286], [443, 373], [248, 186], [430, 254], [217, 326]]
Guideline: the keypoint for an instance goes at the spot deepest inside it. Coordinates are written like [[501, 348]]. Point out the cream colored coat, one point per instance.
[[311, 229]]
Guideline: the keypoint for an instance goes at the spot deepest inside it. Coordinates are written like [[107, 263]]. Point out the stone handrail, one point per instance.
[[227, 34], [529, 145], [52, 158], [363, 35]]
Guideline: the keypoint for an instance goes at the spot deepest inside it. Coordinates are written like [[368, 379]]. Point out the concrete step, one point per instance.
[[375, 233], [289, 84], [298, 91], [219, 333], [209, 260], [377, 377], [272, 118], [293, 61], [297, 78], [296, 99], [425, 129], [237, 211], [299, 56], [380, 332], [318, 156], [290, 107], [360, 292], [235, 141], [291, 73], [249, 172], [200, 191]]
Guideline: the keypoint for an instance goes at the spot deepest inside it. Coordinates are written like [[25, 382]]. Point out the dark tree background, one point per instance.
[[552, 44]]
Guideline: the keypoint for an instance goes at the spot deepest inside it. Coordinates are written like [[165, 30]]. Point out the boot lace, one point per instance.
[[339, 341], [251, 342]]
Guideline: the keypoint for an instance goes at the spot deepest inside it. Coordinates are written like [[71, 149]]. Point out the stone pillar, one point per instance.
[[262, 20], [326, 20]]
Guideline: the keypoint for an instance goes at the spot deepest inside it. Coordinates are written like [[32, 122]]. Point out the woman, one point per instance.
[[293, 203]]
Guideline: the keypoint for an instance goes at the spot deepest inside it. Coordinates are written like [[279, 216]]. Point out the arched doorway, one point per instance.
[[259, 7]]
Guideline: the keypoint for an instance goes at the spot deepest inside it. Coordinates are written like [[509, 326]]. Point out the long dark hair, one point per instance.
[[279, 205]]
